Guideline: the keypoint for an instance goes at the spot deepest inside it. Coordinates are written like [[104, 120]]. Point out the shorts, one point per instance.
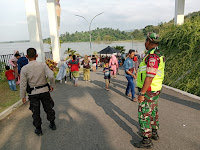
[[107, 81], [75, 74], [94, 64]]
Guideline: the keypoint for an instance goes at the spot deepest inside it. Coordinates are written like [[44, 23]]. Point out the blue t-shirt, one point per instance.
[[107, 72], [128, 64], [21, 62]]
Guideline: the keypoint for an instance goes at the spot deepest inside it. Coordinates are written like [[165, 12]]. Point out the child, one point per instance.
[[74, 69], [11, 78], [106, 71]]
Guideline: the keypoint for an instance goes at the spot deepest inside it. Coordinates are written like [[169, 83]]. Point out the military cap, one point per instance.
[[153, 37]]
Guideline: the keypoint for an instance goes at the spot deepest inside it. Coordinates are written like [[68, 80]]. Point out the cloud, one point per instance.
[[21, 22], [7, 25], [118, 14]]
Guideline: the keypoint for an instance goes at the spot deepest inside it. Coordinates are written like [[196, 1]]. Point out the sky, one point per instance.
[[117, 14]]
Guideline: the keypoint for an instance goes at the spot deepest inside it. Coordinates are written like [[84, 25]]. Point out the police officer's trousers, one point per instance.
[[48, 105]]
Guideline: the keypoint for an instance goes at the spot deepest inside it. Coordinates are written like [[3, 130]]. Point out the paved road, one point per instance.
[[90, 118]]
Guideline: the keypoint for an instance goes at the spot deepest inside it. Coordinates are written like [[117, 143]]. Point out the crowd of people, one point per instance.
[[13, 75], [147, 73], [88, 64]]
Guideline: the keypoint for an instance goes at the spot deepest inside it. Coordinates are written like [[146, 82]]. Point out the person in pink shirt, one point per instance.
[[113, 63], [13, 62]]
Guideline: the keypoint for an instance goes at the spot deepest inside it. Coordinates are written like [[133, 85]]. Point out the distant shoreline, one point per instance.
[[101, 42], [23, 41], [126, 41], [109, 42]]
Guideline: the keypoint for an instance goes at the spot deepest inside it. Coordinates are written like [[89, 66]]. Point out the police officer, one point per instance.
[[149, 82], [33, 79]]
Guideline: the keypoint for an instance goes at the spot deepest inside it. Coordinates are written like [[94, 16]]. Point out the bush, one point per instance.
[[2, 71], [181, 46]]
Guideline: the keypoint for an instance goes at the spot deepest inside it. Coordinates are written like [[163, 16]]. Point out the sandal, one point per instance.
[[134, 100]]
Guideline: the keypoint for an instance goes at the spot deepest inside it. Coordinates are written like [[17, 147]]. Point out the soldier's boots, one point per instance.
[[38, 131], [52, 125], [145, 143], [154, 134]]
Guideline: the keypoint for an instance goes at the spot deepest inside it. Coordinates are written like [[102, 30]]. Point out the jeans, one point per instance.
[[12, 85], [130, 86]]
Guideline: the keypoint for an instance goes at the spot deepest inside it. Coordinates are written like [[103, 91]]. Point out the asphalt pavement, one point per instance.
[[90, 118]]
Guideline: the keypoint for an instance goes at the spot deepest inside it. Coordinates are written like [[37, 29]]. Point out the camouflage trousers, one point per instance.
[[148, 113]]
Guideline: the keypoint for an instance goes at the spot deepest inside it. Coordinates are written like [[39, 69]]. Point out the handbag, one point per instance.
[[131, 70]]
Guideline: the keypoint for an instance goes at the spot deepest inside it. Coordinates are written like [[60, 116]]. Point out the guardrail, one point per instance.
[[48, 55], [4, 59]]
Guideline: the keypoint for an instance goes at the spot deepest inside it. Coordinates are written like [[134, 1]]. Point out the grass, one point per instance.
[[8, 97]]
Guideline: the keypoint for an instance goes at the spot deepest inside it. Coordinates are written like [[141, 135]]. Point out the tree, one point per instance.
[[98, 39], [50, 47], [68, 51], [97, 35], [148, 29], [73, 52], [95, 53], [137, 34], [121, 48], [107, 38]]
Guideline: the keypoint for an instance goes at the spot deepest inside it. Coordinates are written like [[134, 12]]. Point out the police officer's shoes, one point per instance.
[[154, 134], [38, 131], [145, 143], [52, 126]]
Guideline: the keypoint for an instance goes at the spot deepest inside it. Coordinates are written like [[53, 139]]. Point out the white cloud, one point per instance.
[[121, 14], [21, 22], [7, 25]]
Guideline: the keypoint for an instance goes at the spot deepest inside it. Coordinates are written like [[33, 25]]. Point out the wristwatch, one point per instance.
[[140, 94]]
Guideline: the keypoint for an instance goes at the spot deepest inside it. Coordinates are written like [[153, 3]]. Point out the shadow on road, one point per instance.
[[102, 99], [187, 103], [76, 129]]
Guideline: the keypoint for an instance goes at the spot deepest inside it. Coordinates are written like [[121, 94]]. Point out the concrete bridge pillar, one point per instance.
[[53, 26], [34, 27], [179, 12]]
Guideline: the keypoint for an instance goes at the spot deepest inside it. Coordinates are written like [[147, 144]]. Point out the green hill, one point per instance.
[[98, 35]]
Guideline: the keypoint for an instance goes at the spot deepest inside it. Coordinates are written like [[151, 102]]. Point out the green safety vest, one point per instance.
[[156, 84]]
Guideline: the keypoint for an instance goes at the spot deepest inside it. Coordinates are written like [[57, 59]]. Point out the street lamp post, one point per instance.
[[132, 40], [89, 24]]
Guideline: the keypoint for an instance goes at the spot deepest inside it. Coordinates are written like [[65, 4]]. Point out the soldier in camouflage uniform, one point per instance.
[[149, 82], [148, 113]]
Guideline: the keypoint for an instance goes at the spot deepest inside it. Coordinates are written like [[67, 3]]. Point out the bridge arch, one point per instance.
[[34, 28]]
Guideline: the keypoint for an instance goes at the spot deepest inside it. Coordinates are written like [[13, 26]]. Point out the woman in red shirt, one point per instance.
[[74, 69], [11, 78]]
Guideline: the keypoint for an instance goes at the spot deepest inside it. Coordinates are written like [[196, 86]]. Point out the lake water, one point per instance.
[[82, 48]]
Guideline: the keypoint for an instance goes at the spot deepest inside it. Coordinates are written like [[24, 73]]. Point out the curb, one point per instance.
[[182, 92], [10, 109]]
